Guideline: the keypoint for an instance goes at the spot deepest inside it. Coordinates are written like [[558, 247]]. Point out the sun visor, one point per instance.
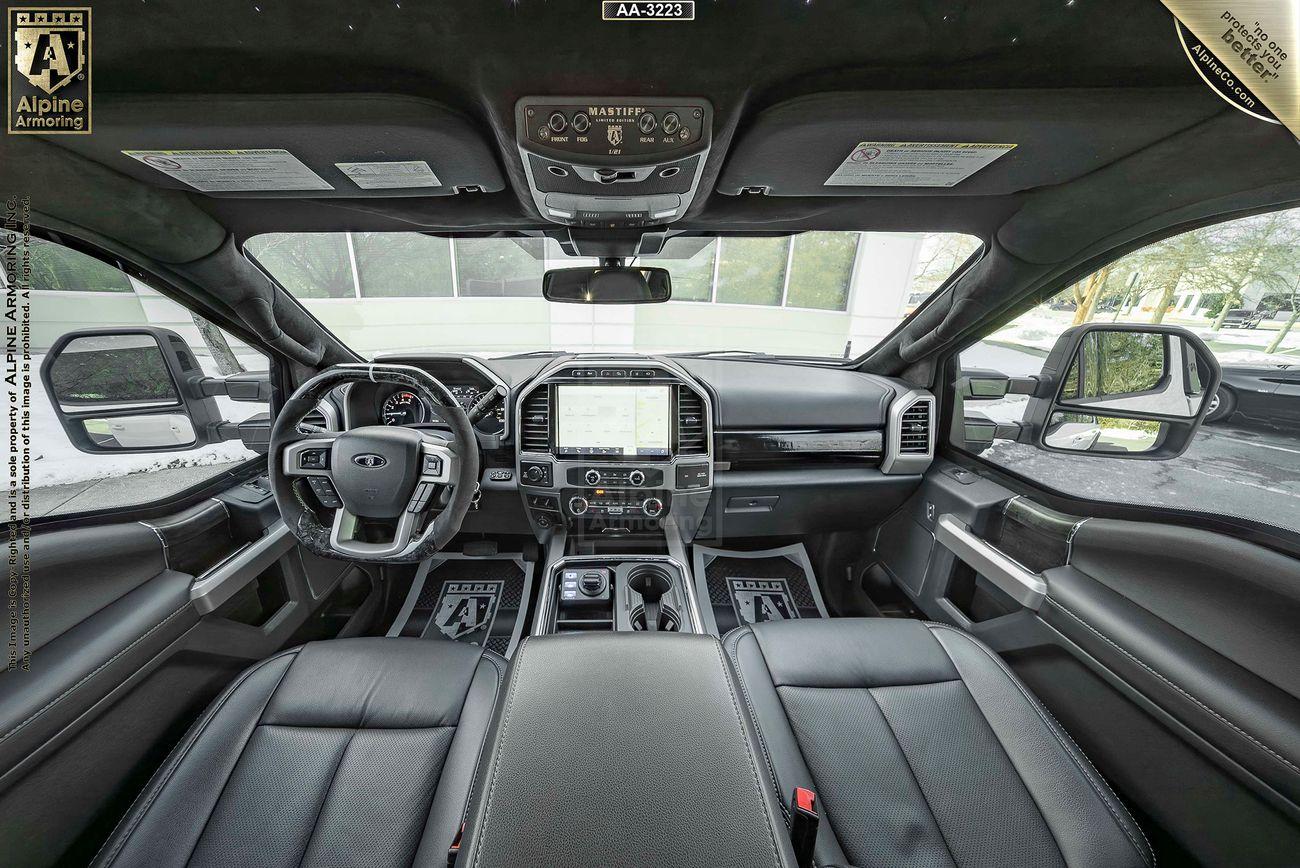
[[959, 143], [299, 146]]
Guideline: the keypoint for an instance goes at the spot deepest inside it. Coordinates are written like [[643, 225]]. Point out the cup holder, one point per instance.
[[669, 622], [650, 580]]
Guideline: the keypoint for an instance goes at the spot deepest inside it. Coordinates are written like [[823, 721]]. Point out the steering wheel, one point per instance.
[[382, 483]]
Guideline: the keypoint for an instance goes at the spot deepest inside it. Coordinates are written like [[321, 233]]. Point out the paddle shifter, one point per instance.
[[651, 581]]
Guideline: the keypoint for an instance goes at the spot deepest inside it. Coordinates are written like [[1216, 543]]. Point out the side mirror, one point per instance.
[[136, 390], [1122, 389], [607, 285]]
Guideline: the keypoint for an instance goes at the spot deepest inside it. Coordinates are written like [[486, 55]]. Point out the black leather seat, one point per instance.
[[342, 753], [923, 749]]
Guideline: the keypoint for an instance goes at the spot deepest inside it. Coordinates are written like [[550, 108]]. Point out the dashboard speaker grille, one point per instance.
[[914, 430], [535, 428], [692, 434]]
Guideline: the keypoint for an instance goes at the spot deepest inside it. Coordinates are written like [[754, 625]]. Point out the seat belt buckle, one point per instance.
[[454, 850], [803, 825]]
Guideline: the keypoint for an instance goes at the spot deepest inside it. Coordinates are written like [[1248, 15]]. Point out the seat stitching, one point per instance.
[[482, 748], [93, 673], [505, 725], [762, 742], [180, 752], [1055, 728], [753, 761], [1198, 702], [907, 761], [320, 808]]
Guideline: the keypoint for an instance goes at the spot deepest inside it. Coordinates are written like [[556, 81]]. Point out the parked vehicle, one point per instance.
[[1267, 395], [1241, 318]]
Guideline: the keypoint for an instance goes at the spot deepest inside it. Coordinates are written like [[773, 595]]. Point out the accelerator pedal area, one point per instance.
[[747, 587], [482, 600]]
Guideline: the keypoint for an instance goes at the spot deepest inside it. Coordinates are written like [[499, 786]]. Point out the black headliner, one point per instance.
[[479, 56]]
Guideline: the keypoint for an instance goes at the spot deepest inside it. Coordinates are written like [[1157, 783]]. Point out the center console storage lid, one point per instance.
[[623, 749]]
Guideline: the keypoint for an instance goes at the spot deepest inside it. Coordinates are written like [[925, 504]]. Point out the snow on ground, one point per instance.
[[55, 461]]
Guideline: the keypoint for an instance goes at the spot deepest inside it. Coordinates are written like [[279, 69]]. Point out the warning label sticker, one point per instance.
[[390, 176], [260, 169], [913, 164]]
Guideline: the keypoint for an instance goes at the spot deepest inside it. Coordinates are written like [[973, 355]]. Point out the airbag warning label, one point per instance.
[[913, 164], [255, 169]]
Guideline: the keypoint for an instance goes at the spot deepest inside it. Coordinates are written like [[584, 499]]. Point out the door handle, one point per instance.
[[1026, 588]]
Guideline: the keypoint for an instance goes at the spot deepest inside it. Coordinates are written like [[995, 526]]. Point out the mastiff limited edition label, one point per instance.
[[49, 70]]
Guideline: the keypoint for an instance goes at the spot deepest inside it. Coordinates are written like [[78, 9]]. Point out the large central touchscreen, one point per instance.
[[617, 421]]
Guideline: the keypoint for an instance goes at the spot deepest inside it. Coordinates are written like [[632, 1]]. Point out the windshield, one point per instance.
[[832, 294]]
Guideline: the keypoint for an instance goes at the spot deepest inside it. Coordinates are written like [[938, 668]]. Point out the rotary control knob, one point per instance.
[[592, 476], [652, 506], [647, 123], [533, 473], [671, 123], [557, 122], [577, 505], [581, 123], [636, 477]]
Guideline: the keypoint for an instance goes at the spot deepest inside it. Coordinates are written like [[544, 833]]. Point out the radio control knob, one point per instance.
[[577, 505], [636, 477], [647, 122], [557, 122], [592, 476], [652, 506]]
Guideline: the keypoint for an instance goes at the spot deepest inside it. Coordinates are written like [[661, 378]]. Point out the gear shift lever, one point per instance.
[[651, 582]]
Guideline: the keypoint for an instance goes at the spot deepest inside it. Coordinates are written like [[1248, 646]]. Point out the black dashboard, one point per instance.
[[720, 446]]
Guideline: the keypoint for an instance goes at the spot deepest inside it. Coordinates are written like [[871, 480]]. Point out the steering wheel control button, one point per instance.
[[314, 459], [324, 492], [433, 465], [420, 499]]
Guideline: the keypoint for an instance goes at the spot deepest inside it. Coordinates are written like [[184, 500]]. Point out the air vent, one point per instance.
[[314, 422], [914, 429], [535, 426], [692, 433]]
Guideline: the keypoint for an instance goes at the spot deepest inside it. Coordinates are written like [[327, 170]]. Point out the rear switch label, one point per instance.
[[467, 610], [913, 164], [757, 600], [390, 176]]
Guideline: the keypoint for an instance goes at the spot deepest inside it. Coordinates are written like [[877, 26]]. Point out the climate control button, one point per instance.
[[636, 477], [592, 477]]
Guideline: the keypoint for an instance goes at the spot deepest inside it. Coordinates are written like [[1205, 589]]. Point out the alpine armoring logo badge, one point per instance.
[[49, 70]]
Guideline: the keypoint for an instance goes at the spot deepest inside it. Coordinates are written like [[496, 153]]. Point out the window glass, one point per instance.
[[1237, 286], [499, 267], [821, 270], [692, 273], [842, 292], [752, 270], [402, 265], [308, 264], [65, 480]]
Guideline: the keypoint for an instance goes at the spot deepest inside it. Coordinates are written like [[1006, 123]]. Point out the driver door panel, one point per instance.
[[127, 649]]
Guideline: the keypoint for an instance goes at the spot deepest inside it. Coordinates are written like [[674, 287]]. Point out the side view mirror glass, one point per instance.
[[113, 371], [1080, 432], [152, 431], [1145, 372]]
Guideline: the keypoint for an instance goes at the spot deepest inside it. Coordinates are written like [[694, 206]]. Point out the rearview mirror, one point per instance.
[[1123, 389], [607, 285], [138, 390]]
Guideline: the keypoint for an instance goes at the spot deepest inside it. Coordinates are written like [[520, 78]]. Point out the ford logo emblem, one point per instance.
[[369, 459]]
